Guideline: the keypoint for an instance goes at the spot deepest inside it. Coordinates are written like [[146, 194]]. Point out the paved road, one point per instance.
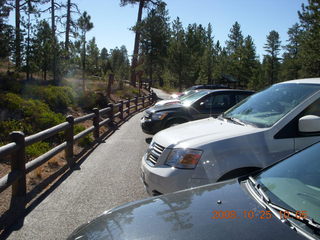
[[161, 94], [107, 178]]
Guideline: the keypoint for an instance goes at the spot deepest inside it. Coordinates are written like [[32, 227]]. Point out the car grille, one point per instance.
[[154, 154]]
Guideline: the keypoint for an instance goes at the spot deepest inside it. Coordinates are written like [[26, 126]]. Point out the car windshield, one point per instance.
[[185, 96], [294, 184], [193, 97], [190, 88], [268, 106]]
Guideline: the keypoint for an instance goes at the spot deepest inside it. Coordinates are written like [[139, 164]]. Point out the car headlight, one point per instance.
[[184, 158], [159, 116]]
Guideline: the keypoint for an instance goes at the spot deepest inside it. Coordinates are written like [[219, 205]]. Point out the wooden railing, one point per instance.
[[19, 168]]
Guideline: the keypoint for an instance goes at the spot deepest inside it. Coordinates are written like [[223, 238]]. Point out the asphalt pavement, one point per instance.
[[161, 94], [110, 176]]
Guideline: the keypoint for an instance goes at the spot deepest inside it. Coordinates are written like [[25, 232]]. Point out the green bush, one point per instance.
[[37, 149], [6, 127], [57, 98], [9, 83], [91, 100], [127, 92], [85, 141], [29, 116]]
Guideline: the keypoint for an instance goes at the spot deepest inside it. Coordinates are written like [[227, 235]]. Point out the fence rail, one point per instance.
[[19, 168]]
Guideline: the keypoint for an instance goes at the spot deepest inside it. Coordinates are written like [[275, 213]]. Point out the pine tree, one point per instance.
[[271, 59], [291, 64], [85, 24], [93, 57], [310, 41], [208, 59], [6, 31], [155, 35], [41, 52], [196, 37], [70, 24], [249, 62], [177, 54], [142, 4], [234, 48]]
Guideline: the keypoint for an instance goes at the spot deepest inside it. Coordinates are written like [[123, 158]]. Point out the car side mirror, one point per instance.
[[309, 124]]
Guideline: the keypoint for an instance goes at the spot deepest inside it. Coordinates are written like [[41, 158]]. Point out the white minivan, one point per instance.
[[255, 133]]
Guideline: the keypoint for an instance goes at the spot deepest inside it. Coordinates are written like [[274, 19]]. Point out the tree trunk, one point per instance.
[[180, 81], [45, 75], [110, 82], [18, 37], [136, 46], [68, 28], [83, 63], [28, 48], [53, 36]]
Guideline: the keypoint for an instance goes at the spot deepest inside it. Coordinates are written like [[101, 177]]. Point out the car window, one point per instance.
[[204, 103], [265, 108], [193, 98], [240, 97], [221, 101], [313, 109]]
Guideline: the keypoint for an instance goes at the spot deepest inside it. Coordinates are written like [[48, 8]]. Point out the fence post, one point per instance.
[[69, 133], [110, 115], [121, 110], [136, 103], [143, 101], [18, 163], [128, 106], [96, 120]]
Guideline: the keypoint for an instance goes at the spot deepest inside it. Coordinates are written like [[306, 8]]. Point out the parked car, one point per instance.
[[280, 202], [259, 131], [176, 100], [199, 105], [197, 87]]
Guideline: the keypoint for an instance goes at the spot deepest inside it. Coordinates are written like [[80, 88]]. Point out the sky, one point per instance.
[[257, 18]]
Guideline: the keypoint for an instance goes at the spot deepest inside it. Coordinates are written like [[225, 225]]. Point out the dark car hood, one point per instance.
[[187, 215], [164, 107]]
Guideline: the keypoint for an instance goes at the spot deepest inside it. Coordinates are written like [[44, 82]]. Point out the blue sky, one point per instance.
[[256, 17]]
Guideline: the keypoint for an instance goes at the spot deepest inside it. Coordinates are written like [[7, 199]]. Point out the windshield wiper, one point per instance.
[[308, 221], [275, 209], [257, 186], [232, 119]]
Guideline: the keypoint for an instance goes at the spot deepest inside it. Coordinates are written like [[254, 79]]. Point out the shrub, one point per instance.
[[57, 98], [91, 100], [30, 116], [37, 149], [9, 83], [85, 141], [6, 127], [127, 92]]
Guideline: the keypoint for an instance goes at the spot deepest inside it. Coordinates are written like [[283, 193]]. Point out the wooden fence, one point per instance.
[[19, 168]]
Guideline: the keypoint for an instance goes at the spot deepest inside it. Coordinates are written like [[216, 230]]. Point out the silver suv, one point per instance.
[[261, 130]]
